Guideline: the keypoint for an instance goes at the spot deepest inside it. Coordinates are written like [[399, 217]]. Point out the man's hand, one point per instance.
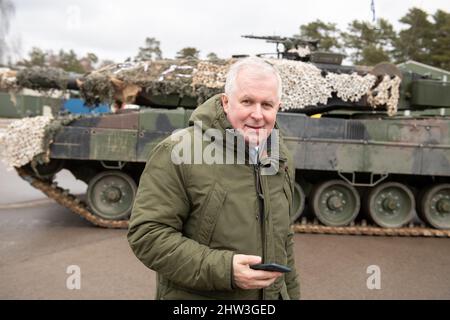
[[246, 278]]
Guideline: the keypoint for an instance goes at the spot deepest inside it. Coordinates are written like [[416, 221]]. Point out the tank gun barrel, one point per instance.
[[44, 78], [271, 38], [284, 40]]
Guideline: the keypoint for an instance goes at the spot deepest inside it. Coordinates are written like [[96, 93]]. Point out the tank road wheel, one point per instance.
[[434, 206], [110, 195], [335, 203], [390, 205], [299, 202]]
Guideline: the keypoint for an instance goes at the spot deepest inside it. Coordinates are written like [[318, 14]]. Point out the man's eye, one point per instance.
[[267, 105], [246, 102]]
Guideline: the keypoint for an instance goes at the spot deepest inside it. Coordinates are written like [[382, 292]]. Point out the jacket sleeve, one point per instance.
[[292, 281], [155, 230]]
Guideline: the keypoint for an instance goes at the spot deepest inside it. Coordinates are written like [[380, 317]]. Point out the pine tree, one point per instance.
[[188, 52], [326, 33], [151, 50], [369, 44]]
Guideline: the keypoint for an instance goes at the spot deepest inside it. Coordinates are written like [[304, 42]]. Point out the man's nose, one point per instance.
[[257, 113]]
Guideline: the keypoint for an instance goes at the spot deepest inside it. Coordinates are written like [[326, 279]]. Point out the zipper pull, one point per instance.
[[258, 183]]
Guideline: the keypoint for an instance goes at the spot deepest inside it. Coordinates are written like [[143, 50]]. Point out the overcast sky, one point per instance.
[[115, 29]]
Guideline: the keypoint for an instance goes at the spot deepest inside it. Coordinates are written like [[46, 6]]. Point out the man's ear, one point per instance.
[[225, 105], [279, 106]]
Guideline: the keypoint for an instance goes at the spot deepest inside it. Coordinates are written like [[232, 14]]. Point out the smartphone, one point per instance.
[[270, 267]]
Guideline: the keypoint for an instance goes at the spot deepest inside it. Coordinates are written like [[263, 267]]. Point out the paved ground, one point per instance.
[[39, 239], [37, 244], [335, 267]]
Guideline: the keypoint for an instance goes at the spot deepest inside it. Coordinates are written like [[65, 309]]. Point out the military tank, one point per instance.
[[371, 145]]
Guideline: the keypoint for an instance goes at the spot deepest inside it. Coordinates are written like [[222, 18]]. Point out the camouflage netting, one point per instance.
[[28, 139], [301, 51], [8, 80], [185, 78], [209, 78], [303, 83], [99, 87], [387, 93], [42, 78], [48, 82]]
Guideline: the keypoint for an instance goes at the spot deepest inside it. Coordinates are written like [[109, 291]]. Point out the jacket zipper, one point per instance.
[[260, 196]]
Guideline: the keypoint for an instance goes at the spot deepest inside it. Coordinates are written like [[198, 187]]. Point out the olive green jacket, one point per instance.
[[189, 220]]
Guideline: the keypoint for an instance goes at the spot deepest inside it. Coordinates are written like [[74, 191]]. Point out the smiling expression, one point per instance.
[[253, 105]]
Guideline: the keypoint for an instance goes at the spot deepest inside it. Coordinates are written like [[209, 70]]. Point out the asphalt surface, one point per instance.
[[39, 240], [37, 245]]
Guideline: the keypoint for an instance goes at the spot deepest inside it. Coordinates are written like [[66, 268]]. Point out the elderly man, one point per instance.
[[201, 226]]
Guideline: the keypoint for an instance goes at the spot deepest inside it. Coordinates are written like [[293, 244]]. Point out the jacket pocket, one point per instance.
[[211, 213]]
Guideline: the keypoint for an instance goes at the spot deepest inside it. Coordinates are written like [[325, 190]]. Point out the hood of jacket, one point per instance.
[[211, 115]]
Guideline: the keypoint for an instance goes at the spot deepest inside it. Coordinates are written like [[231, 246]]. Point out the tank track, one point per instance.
[[70, 201], [368, 230], [76, 205]]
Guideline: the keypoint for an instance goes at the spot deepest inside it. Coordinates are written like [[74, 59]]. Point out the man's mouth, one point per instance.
[[254, 127]]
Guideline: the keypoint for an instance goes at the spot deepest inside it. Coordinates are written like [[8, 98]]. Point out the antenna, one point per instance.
[[372, 8]]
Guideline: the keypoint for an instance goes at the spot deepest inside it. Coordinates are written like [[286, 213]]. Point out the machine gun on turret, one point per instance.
[[295, 48], [300, 49]]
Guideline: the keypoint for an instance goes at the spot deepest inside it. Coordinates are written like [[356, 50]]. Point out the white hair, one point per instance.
[[256, 65]]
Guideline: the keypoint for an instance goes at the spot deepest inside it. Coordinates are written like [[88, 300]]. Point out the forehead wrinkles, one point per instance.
[[256, 85]]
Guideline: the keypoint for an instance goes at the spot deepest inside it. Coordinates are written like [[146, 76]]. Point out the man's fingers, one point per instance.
[[264, 275], [259, 284]]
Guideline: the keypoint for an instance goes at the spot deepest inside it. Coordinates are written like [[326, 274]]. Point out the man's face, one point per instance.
[[253, 105]]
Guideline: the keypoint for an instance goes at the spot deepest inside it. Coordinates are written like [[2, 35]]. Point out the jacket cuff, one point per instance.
[[233, 285]]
